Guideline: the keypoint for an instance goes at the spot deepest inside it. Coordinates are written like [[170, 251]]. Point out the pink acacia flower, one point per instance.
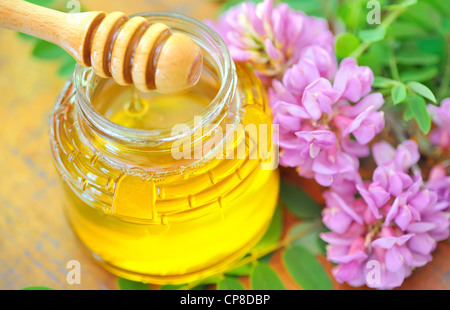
[[327, 117], [441, 117], [353, 82], [439, 181], [274, 38], [393, 220], [318, 97], [308, 107]]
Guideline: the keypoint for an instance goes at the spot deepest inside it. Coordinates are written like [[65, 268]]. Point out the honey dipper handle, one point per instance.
[[69, 31]]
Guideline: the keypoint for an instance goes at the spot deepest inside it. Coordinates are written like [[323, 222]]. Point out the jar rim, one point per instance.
[[147, 136]]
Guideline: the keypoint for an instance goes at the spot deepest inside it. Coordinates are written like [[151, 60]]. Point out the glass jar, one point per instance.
[[150, 208]]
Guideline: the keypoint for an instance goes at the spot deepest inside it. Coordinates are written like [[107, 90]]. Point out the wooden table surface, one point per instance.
[[35, 240]]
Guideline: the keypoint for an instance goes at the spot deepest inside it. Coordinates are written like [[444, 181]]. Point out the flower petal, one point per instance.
[[393, 259], [422, 243]]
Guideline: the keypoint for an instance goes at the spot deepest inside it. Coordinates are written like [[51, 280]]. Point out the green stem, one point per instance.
[[393, 66], [445, 82], [285, 242], [385, 23], [385, 92]]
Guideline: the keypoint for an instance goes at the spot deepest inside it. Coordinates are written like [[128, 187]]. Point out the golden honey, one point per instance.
[[142, 213]]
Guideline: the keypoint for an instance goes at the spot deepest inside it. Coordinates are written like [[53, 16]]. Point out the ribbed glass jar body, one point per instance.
[[149, 215]]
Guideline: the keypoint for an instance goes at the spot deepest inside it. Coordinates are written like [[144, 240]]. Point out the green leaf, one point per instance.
[[211, 280], [382, 82], [171, 287], [372, 35], [353, 13], [231, 3], [68, 66], [299, 203], [310, 239], [328, 9], [403, 4], [432, 44], [230, 284], [174, 287], [419, 75], [417, 57], [27, 37], [46, 50], [376, 58], [246, 269], [305, 269], [125, 284], [407, 114], [398, 93], [424, 15], [382, 50], [266, 258], [346, 44], [407, 3], [403, 29], [422, 90], [37, 288], [264, 277], [243, 270], [322, 244], [46, 3], [200, 287], [273, 233], [372, 61], [441, 6], [309, 7], [418, 108]]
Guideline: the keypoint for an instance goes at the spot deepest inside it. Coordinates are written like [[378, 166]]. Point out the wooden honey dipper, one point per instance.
[[131, 51]]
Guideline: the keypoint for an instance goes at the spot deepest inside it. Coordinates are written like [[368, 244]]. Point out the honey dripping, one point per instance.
[[136, 107], [127, 106]]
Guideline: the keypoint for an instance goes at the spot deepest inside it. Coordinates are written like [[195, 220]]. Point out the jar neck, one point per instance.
[[137, 146]]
